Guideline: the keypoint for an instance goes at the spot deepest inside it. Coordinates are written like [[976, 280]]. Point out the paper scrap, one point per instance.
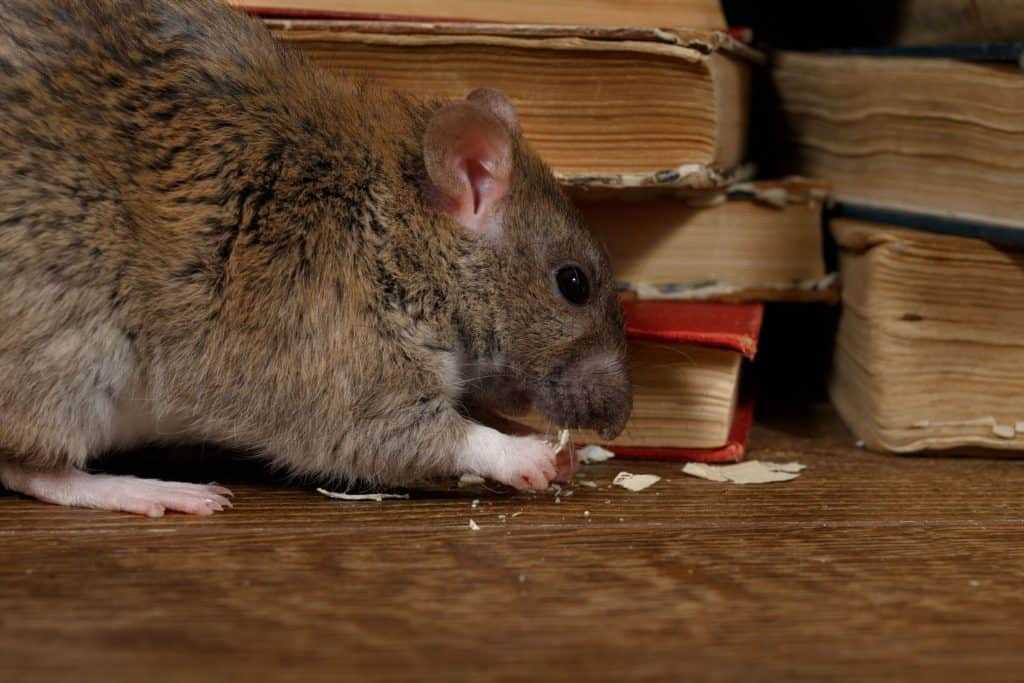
[[379, 497], [751, 472], [635, 482], [1004, 431], [563, 440], [473, 526], [470, 480], [586, 482], [591, 454]]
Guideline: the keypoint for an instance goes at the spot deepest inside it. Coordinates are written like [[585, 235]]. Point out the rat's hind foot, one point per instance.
[[149, 497]]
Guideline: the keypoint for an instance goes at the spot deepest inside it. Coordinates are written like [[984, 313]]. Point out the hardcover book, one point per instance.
[[607, 108], [762, 241], [915, 135], [686, 361], [929, 354]]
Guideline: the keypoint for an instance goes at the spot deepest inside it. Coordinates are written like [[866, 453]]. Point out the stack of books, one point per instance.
[[647, 128], [924, 148]]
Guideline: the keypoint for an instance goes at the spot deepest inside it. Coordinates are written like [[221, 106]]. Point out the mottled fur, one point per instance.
[[204, 238]]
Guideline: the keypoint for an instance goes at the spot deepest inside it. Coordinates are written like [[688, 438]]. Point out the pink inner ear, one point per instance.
[[467, 151], [479, 179]]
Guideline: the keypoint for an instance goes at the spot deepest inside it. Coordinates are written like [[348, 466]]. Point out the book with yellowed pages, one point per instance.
[[703, 14], [686, 362], [760, 242], [926, 135], [930, 349], [606, 108]]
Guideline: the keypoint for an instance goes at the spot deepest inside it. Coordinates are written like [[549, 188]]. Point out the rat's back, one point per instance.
[[110, 110], [89, 87]]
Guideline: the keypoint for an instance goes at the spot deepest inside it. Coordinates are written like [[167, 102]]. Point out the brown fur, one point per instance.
[[195, 220]]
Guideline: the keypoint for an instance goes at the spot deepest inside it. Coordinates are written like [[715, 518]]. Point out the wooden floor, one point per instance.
[[868, 567]]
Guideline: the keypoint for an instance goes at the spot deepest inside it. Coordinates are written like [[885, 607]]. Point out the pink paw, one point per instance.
[[522, 462], [149, 497], [529, 464]]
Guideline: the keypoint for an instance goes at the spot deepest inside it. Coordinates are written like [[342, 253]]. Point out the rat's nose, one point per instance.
[[611, 424], [604, 380]]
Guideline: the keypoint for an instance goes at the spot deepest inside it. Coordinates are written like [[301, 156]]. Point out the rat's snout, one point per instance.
[[593, 392]]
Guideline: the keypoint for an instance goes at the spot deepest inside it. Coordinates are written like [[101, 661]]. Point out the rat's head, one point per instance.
[[539, 315]]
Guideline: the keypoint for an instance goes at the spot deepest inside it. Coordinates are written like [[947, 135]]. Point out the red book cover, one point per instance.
[[728, 326]]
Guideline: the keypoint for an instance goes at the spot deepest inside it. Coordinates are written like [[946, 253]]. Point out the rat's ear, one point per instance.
[[495, 102], [468, 154]]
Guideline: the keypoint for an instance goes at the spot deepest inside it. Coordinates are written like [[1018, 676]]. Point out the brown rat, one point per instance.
[[204, 238]]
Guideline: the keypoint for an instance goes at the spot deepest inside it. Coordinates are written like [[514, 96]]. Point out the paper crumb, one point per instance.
[[589, 484], [859, 444], [586, 513], [502, 518], [563, 440], [588, 455], [522, 578], [475, 503], [470, 480], [378, 497], [635, 482], [473, 526], [1004, 431], [516, 514], [568, 493], [752, 472]]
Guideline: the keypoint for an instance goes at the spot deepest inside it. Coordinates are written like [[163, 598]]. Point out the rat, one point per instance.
[[204, 238]]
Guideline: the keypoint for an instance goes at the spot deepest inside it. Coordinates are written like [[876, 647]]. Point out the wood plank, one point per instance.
[[867, 566]]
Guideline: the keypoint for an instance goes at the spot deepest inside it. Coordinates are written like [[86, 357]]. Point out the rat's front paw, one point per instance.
[[528, 464], [522, 462]]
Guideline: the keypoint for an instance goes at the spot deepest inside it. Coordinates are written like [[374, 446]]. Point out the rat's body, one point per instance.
[[204, 238]]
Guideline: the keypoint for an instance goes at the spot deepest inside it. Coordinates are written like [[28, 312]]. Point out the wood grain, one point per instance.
[[867, 567]]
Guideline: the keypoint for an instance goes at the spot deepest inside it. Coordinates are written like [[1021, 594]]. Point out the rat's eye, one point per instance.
[[573, 284]]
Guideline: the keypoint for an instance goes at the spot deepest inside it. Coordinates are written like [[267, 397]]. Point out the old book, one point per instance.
[[930, 350], [760, 242], [704, 14], [686, 361], [607, 108], [927, 135]]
